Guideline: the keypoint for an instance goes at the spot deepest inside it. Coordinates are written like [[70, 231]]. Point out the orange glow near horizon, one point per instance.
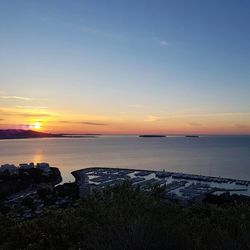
[[129, 123], [172, 127]]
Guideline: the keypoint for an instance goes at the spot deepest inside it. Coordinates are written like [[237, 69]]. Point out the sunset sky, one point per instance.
[[125, 67]]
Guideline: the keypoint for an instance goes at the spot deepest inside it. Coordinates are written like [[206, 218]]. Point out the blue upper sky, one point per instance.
[[128, 58]]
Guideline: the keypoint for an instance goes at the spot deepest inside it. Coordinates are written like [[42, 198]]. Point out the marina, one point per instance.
[[178, 186], [36, 186]]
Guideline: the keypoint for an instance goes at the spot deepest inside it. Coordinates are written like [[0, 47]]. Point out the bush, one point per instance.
[[125, 218]]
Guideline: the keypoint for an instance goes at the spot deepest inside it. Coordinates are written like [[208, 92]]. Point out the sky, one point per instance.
[[125, 67]]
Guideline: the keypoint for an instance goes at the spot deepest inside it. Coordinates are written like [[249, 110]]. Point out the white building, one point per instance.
[[8, 168], [44, 167], [26, 166]]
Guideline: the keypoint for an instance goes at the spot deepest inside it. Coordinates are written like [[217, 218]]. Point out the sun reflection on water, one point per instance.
[[38, 156]]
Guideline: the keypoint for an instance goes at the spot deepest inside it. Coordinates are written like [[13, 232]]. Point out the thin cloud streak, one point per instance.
[[16, 97], [9, 112], [31, 107], [209, 114], [34, 115], [194, 124], [85, 123], [21, 98], [152, 118], [161, 42]]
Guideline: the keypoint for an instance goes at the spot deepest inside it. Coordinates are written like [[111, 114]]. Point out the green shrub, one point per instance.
[[124, 218]]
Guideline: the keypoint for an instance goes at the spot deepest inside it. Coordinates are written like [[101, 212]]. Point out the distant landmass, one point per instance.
[[22, 134], [192, 136], [150, 136]]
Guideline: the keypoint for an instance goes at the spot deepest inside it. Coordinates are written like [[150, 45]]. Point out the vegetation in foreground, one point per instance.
[[125, 218]]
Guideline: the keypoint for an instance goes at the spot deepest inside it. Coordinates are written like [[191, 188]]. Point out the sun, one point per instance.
[[37, 125]]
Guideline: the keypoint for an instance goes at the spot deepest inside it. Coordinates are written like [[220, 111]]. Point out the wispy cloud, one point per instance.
[[21, 98], [161, 42], [2, 92], [31, 107], [23, 113], [94, 123], [212, 114], [85, 123], [152, 118], [34, 115], [16, 97]]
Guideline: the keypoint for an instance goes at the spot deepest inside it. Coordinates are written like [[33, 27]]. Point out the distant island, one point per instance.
[[192, 136], [150, 136], [22, 134]]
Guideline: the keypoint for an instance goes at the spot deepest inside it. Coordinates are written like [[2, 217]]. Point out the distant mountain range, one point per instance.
[[21, 133]]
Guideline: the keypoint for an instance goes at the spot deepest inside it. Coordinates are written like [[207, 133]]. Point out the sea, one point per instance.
[[225, 156]]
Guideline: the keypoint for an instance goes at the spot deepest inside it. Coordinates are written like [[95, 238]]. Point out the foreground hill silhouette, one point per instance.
[[123, 218]]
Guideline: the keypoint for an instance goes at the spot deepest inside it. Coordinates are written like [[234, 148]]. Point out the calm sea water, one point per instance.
[[215, 156]]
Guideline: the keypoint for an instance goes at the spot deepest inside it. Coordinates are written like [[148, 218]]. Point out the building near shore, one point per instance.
[[9, 168], [44, 167], [26, 166]]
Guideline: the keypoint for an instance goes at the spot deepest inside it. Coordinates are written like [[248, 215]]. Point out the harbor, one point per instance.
[[27, 189], [177, 186]]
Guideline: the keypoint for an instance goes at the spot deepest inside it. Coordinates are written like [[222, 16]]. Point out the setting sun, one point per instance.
[[37, 125]]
